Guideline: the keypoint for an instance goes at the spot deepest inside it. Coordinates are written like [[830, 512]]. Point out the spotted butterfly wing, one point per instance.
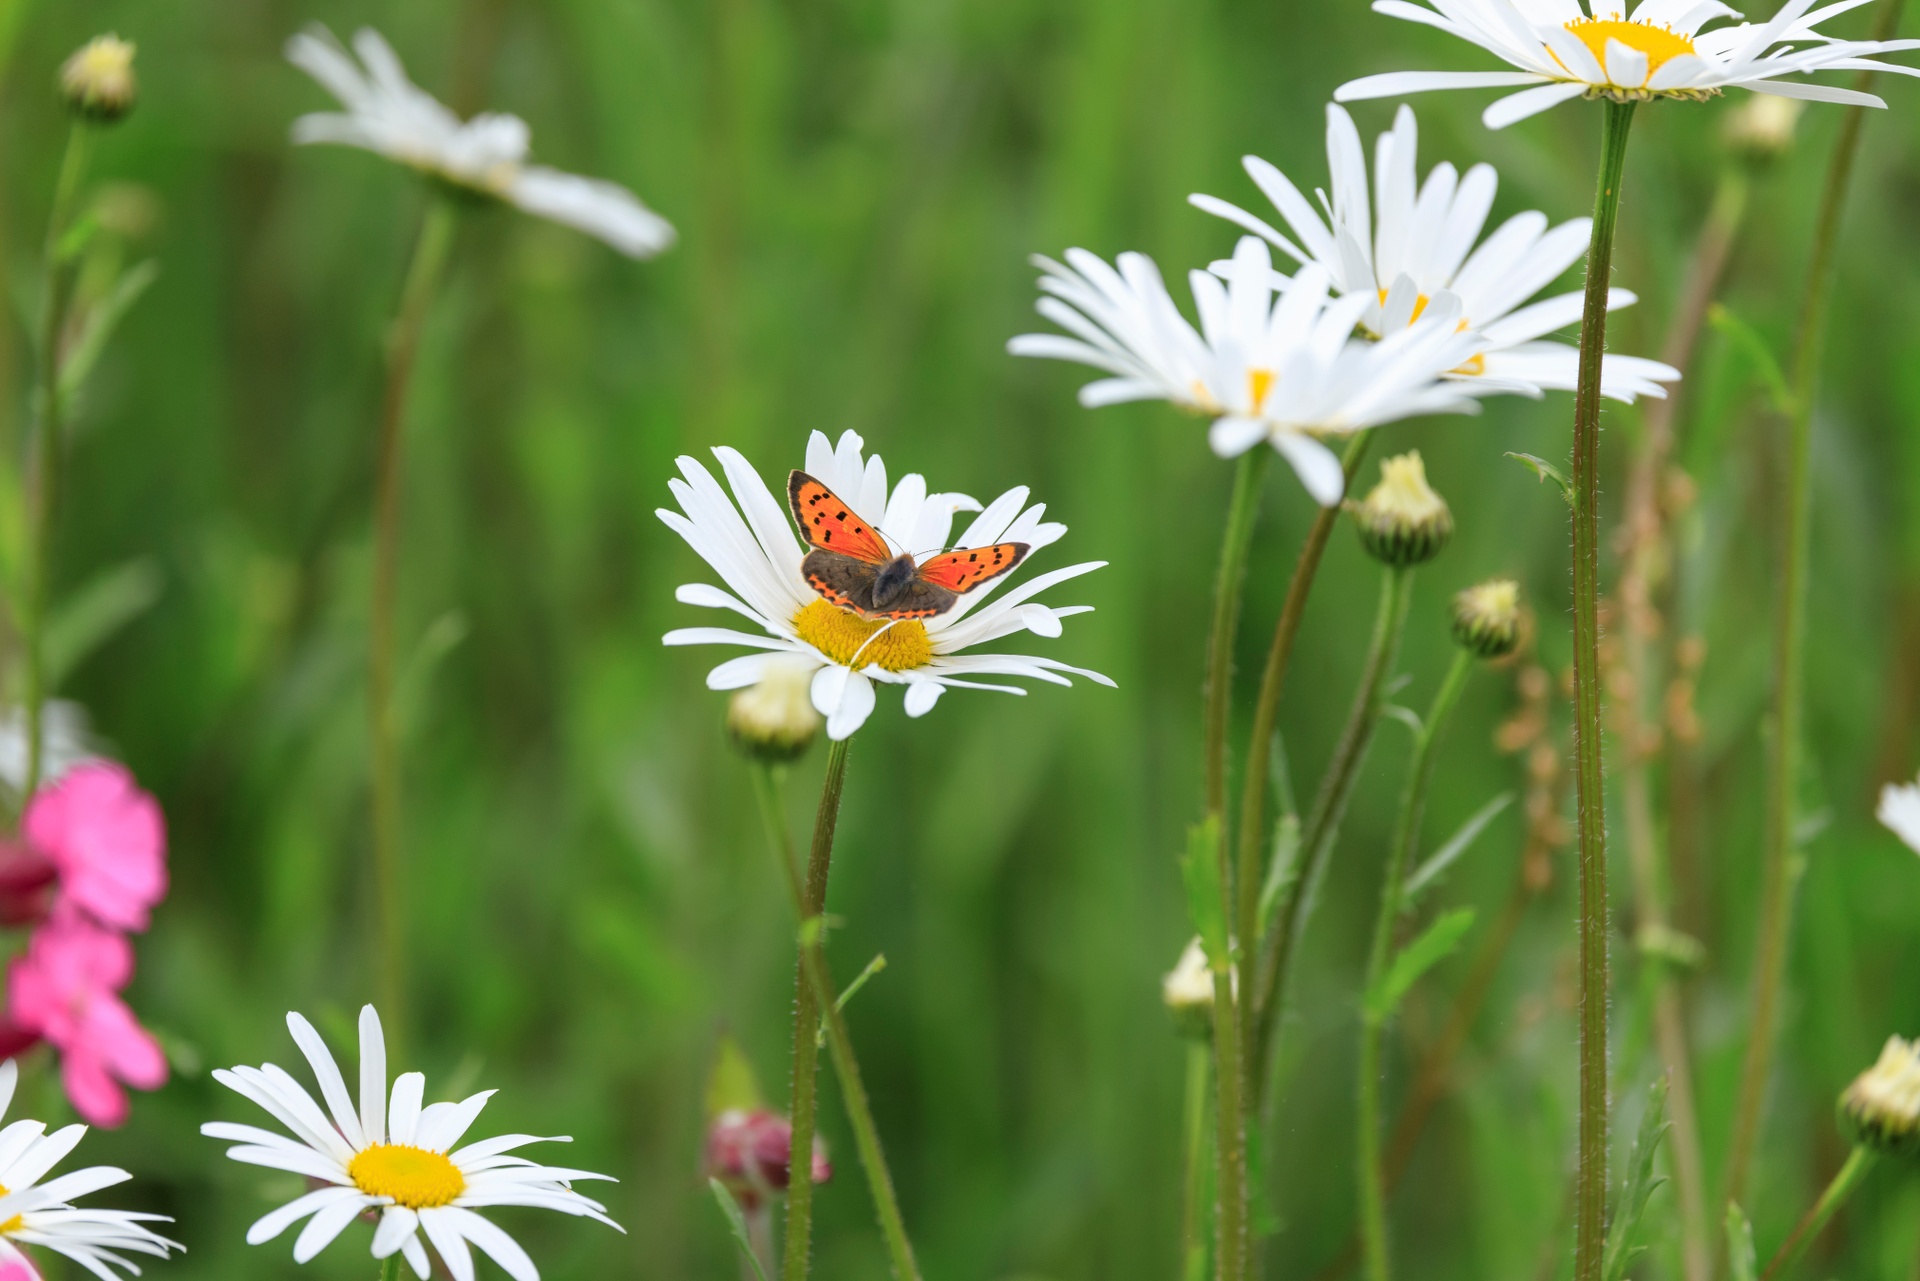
[[830, 524], [965, 569]]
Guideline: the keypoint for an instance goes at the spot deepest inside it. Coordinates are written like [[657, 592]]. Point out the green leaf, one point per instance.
[[1435, 867], [1547, 471], [1201, 871], [1281, 776], [1636, 1188], [738, 1222], [1740, 1256], [442, 637], [1406, 716], [1748, 341], [878, 963], [1433, 945], [101, 321], [731, 1083], [95, 612], [1283, 869]]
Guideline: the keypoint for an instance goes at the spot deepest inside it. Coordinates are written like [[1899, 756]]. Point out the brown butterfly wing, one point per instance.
[[830, 524], [963, 570], [846, 581]]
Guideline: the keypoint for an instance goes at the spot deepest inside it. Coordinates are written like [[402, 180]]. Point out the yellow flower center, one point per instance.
[[1659, 43], [857, 642], [14, 1224], [1475, 366], [413, 1177], [1420, 302], [1259, 383]]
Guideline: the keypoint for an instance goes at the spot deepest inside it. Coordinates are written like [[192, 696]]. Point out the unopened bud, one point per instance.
[[1403, 523], [1900, 811], [751, 1153], [1188, 992], [774, 720], [1881, 1109], [98, 80], [1486, 618], [1761, 128]]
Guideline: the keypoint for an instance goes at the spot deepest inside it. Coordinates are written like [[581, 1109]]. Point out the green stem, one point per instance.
[[1266, 713], [1858, 1163], [1234, 1243], [866, 1135], [49, 443], [1243, 509], [1373, 1188], [802, 1101], [1193, 1254], [1789, 675], [390, 1267], [1278, 946], [403, 345], [1590, 1181]]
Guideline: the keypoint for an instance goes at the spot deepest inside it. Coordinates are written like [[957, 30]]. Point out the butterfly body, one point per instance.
[[852, 567]]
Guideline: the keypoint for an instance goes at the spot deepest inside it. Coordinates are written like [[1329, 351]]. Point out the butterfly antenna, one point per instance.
[[854, 662]]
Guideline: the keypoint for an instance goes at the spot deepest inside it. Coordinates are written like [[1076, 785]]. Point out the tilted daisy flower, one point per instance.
[[396, 1159], [1565, 51], [387, 113], [1274, 358], [749, 540], [1900, 811], [39, 1214], [1413, 240]]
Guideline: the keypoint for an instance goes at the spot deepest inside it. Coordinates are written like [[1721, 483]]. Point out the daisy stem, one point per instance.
[[1373, 1187], [1322, 827], [1858, 1163], [403, 344], [1193, 1253], [390, 1267], [1777, 878], [801, 1106], [1242, 511], [43, 482], [1590, 1180]]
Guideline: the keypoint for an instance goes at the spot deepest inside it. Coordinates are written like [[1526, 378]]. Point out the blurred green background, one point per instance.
[[857, 184]]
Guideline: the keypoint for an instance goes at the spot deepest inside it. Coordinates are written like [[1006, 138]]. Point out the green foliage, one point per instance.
[[1430, 872], [737, 1224], [1201, 870], [1430, 947], [1623, 1244], [1740, 1256]]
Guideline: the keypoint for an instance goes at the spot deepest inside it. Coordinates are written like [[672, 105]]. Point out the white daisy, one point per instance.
[[387, 113], [750, 541], [1566, 51], [38, 1214], [395, 1159], [1274, 358], [1900, 811], [1420, 239]]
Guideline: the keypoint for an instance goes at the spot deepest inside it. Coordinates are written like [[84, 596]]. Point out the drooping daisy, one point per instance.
[[1566, 51], [1274, 358], [39, 1214], [397, 1159], [749, 540], [1414, 240], [389, 114], [1900, 811]]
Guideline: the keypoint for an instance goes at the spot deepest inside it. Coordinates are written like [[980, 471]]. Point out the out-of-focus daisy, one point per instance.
[[1565, 51], [1900, 811], [396, 1159], [65, 741], [1413, 241], [1273, 359], [387, 113], [38, 1214], [749, 540]]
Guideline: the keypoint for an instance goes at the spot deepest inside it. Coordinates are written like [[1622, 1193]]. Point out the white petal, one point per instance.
[[1319, 470], [1528, 102], [498, 1246], [446, 1127], [600, 208], [1900, 811], [273, 1223], [1394, 83], [397, 1223], [326, 1224], [447, 1242], [853, 706], [373, 1076], [333, 1088], [1232, 436], [921, 696], [403, 1113]]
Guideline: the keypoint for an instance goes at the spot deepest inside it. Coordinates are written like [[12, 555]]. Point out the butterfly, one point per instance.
[[852, 566]]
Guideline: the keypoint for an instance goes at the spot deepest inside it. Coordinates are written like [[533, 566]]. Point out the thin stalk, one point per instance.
[[1234, 1242], [403, 345], [1193, 1219], [1242, 510], [390, 1267], [1590, 1183], [49, 443], [1266, 713], [1413, 803], [1278, 946], [802, 1098], [1858, 1163], [1789, 684]]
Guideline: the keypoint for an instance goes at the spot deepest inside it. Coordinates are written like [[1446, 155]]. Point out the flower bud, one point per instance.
[[1188, 992], [98, 80], [1403, 523], [1881, 1109], [1486, 618], [1761, 128], [774, 720], [751, 1153]]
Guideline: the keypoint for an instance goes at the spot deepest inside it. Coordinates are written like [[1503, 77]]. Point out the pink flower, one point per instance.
[[752, 1154], [107, 839], [65, 988], [18, 1270]]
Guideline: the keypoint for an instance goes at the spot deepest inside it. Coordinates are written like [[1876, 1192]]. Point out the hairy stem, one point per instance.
[[802, 1099], [403, 346], [1859, 1161], [1193, 1216], [1242, 511], [1790, 635]]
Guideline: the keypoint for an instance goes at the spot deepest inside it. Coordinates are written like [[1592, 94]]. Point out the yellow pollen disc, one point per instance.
[[841, 634], [1659, 43], [1259, 383], [14, 1224], [413, 1177]]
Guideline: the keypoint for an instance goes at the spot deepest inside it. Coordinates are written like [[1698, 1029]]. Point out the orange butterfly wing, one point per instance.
[[962, 571], [830, 524]]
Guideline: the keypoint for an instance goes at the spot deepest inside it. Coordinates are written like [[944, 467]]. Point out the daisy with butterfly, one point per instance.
[[867, 593]]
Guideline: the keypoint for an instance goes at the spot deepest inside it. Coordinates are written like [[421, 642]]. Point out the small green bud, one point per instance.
[[1403, 523], [98, 81], [1486, 618], [774, 720], [1881, 1109]]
